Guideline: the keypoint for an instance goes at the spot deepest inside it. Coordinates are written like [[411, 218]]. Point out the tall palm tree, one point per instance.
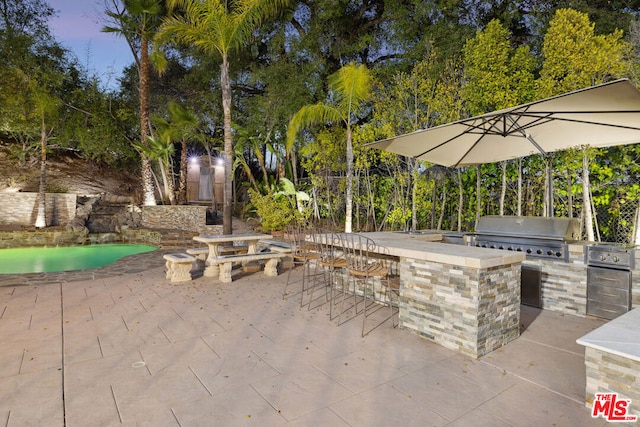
[[137, 21], [350, 87], [217, 27]]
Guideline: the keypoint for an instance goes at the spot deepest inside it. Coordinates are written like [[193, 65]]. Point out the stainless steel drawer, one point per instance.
[[608, 292]]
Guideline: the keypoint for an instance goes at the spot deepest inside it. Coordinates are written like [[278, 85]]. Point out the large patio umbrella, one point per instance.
[[599, 116]]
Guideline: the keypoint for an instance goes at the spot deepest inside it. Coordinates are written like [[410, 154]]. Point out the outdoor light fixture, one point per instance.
[[193, 160]]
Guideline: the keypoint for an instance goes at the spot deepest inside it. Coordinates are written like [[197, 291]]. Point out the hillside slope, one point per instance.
[[67, 173]]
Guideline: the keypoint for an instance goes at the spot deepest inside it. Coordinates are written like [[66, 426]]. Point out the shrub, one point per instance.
[[276, 211]]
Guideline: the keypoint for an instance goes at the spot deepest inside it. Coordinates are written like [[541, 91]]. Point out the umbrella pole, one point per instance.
[[550, 212]]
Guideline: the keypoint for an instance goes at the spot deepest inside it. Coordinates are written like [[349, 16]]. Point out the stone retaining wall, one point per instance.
[[39, 238], [22, 208], [473, 311], [187, 218]]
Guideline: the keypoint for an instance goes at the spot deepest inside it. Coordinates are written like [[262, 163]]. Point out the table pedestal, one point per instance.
[[211, 271]]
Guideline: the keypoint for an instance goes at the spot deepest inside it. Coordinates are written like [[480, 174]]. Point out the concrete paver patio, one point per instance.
[[135, 349]]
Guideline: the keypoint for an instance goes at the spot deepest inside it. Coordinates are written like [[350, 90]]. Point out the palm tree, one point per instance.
[[350, 87], [180, 125], [185, 124], [137, 22], [217, 27], [160, 147]]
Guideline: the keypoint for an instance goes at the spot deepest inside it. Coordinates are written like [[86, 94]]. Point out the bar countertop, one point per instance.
[[620, 336], [429, 247]]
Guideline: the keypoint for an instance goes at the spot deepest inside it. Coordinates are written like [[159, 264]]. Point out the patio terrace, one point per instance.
[[124, 346]]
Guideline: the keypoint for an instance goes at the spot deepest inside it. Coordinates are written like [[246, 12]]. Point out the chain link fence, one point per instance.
[[616, 222]]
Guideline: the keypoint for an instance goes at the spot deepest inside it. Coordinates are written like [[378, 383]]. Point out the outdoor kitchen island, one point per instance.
[[461, 297]]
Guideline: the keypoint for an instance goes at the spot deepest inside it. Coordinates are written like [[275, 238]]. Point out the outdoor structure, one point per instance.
[[464, 298], [468, 298], [202, 184]]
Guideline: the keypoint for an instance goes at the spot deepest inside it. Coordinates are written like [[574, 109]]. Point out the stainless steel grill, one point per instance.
[[537, 237]]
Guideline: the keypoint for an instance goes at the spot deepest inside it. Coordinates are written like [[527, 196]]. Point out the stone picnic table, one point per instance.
[[215, 241]]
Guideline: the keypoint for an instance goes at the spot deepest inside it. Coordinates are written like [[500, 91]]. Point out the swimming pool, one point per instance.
[[67, 258]]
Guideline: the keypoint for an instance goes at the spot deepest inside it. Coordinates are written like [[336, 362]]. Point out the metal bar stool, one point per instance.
[[304, 252], [332, 259], [370, 274]]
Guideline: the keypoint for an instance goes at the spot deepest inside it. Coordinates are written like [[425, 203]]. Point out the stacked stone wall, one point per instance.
[[470, 310], [564, 284], [611, 373], [635, 282], [39, 238], [187, 218], [22, 208]]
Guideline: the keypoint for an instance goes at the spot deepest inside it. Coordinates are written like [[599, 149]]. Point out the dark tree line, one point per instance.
[[281, 65]]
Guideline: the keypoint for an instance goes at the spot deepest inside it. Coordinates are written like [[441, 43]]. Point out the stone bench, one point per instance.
[[281, 247], [202, 253], [179, 267], [226, 263]]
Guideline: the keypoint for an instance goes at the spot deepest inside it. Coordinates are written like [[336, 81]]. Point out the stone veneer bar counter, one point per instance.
[[461, 297], [612, 360]]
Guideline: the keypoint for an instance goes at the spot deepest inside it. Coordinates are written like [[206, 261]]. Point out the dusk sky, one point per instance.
[[78, 26]]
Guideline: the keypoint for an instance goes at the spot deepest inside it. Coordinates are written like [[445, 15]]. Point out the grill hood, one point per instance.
[[565, 229]]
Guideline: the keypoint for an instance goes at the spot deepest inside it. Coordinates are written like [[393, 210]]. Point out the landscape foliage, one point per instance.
[[266, 86]]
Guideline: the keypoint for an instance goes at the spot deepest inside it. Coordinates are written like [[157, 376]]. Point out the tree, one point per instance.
[[350, 88], [33, 71], [217, 28], [575, 58], [499, 76], [137, 21], [425, 96], [180, 125]]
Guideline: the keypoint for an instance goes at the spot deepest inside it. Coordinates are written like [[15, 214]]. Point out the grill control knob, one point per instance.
[[559, 254], [539, 251], [549, 253], [528, 251], [603, 257], [616, 259]]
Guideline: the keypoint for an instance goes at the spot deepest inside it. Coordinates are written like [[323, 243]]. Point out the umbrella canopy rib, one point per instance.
[[469, 150]]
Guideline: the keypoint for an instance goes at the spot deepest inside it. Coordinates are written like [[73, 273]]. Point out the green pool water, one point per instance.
[[47, 260]]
